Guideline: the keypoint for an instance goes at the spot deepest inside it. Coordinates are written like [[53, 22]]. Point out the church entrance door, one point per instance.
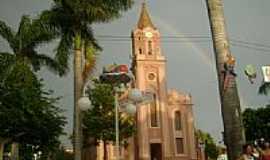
[[156, 151]]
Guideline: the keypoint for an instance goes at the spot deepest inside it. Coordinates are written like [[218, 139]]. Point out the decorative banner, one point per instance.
[[266, 74], [116, 74], [114, 68], [250, 71]]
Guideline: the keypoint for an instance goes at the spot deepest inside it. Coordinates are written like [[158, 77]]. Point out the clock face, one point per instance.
[[148, 34]]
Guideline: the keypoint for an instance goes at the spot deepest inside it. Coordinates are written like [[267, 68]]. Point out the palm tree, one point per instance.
[[24, 43], [230, 103], [73, 19], [30, 35]]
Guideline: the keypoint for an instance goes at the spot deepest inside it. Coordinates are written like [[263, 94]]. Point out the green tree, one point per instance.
[[257, 123], [28, 114], [264, 88], [73, 19], [24, 43], [211, 149], [99, 122]]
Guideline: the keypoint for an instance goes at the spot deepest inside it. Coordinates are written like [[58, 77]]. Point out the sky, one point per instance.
[[190, 61]]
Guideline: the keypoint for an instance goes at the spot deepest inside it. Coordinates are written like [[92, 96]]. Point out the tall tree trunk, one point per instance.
[[230, 104], [105, 150], [78, 82], [15, 151], [2, 144], [3, 141], [90, 151]]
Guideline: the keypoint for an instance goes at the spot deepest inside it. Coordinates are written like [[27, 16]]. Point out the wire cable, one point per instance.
[[188, 38]]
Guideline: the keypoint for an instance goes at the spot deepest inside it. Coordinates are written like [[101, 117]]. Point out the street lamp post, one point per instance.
[[116, 127], [119, 91], [134, 97], [119, 76]]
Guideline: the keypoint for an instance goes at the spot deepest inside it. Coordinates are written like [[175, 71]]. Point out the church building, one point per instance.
[[165, 127]]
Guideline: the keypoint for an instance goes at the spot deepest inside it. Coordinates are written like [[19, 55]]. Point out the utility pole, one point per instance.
[[230, 104]]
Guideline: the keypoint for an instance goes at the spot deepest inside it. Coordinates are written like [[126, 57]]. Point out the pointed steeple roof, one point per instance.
[[145, 20]]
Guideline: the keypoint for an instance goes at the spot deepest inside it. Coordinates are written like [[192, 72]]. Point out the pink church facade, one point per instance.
[[165, 127]]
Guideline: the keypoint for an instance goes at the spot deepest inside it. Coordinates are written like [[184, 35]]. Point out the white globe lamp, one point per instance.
[[84, 104], [131, 108]]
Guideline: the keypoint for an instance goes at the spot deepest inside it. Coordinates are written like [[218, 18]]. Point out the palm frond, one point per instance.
[[49, 18], [40, 33], [39, 60], [264, 89], [63, 52], [6, 56], [105, 10], [88, 36], [91, 53], [94, 11], [58, 18], [8, 34], [24, 31], [69, 17], [6, 61], [31, 33]]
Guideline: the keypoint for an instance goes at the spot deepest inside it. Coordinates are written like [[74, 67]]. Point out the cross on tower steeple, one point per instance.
[[145, 20]]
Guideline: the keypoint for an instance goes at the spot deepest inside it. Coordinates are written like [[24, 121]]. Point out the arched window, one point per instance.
[[154, 114], [140, 51], [177, 120], [150, 47]]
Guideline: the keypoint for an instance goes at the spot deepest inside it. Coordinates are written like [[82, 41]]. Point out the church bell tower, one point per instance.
[[149, 68]]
